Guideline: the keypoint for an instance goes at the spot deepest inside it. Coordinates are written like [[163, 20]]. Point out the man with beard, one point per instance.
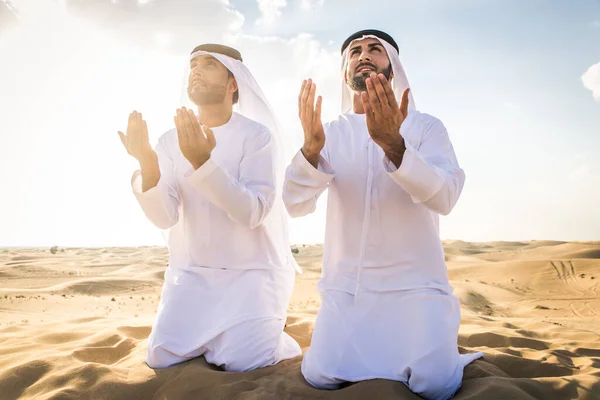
[[387, 307], [214, 182]]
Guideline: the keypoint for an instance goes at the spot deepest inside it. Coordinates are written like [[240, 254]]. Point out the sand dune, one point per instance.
[[74, 325]]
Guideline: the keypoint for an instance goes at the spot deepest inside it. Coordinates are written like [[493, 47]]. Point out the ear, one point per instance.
[[233, 86]]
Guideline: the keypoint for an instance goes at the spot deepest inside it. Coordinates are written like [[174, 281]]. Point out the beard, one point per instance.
[[210, 94], [358, 82]]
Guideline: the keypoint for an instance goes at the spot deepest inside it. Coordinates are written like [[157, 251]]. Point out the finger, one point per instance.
[[180, 136], [317, 116], [310, 102], [145, 132], [139, 125], [300, 98], [389, 92], [404, 102], [193, 122], [381, 93], [182, 124], [133, 134], [130, 122], [372, 96], [123, 138], [210, 136], [364, 98], [305, 95]]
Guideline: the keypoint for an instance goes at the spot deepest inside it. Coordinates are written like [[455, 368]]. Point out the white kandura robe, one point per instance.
[[387, 307], [226, 289]]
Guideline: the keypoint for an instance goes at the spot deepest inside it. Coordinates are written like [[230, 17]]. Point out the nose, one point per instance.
[[196, 71], [364, 57]]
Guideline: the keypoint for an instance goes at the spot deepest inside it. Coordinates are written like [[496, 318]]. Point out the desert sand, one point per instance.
[[74, 325]]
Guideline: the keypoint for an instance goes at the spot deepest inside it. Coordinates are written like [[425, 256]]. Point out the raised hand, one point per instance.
[[195, 141], [136, 140], [310, 117], [384, 116]]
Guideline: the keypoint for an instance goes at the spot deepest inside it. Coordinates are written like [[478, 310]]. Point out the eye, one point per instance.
[[377, 49]]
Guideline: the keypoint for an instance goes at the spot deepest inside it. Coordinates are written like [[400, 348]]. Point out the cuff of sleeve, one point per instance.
[[322, 174], [421, 180], [136, 186], [198, 176]]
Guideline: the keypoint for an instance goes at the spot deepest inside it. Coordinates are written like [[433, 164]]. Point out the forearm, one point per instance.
[[312, 156], [304, 183], [436, 181], [246, 203], [155, 189], [395, 151], [150, 172]]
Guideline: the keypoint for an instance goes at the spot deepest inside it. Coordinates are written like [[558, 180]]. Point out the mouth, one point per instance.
[[198, 83], [365, 68]]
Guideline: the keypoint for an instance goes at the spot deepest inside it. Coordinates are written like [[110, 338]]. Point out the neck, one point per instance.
[[214, 115], [357, 105]]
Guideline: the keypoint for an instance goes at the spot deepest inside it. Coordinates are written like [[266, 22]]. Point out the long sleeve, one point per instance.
[[431, 174], [248, 200], [161, 203], [304, 184]]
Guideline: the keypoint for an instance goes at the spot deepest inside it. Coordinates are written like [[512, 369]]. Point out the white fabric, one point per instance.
[[231, 317], [225, 268], [254, 105], [382, 246], [403, 336], [399, 82]]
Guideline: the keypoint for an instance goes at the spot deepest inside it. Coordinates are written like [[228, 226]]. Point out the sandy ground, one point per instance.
[[74, 325]]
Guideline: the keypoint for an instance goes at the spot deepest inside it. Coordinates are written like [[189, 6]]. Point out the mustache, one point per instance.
[[207, 84], [198, 80], [364, 64]]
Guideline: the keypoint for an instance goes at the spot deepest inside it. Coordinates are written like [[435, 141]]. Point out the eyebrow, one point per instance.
[[371, 46], [202, 59]]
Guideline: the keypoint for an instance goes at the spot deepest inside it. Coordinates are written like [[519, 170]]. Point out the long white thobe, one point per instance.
[[226, 282], [384, 284]]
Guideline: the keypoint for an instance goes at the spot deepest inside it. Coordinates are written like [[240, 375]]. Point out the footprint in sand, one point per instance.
[[135, 332], [105, 354]]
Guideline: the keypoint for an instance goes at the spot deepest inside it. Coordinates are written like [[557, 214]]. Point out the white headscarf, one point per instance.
[[253, 105], [399, 82]]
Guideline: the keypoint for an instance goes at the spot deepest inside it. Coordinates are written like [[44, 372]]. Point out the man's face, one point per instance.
[[364, 57], [209, 81]]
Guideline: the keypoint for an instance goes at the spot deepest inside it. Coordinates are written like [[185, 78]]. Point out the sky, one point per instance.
[[516, 83]]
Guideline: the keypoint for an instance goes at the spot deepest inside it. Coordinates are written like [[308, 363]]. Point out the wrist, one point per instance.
[[395, 151], [200, 161], [310, 151], [149, 162], [311, 156]]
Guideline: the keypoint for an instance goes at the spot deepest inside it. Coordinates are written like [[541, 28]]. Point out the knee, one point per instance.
[[316, 377], [159, 358], [242, 356], [154, 363], [439, 382]]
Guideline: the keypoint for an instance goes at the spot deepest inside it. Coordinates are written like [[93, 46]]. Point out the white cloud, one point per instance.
[[279, 66], [269, 10], [8, 15], [311, 4], [510, 105], [179, 24], [591, 80], [109, 72], [583, 167]]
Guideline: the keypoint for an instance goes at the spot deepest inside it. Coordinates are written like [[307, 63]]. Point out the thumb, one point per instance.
[[210, 136], [404, 102], [123, 138]]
